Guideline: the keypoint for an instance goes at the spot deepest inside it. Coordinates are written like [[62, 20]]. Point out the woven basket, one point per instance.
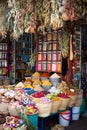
[[79, 98], [72, 100], [13, 111], [3, 107], [44, 109], [58, 127], [1, 127], [55, 106], [64, 103]]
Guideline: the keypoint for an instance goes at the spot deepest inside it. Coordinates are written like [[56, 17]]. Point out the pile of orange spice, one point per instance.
[[45, 74], [68, 92], [28, 80]]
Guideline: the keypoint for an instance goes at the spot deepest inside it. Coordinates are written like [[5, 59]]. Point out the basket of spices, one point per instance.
[[44, 107], [73, 97], [64, 101], [55, 104]]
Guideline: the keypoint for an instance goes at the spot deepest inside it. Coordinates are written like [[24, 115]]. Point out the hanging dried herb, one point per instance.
[[64, 41]]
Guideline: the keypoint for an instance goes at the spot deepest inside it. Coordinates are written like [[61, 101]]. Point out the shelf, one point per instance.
[[20, 69], [3, 59], [3, 67]]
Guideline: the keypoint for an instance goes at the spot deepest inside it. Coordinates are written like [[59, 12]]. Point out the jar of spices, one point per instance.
[[40, 47], [45, 37], [39, 66], [44, 56], [49, 46], [59, 67], [49, 36], [49, 56], [55, 35], [45, 46], [49, 66], [59, 56], [54, 66], [55, 46], [54, 56], [44, 66], [39, 57]]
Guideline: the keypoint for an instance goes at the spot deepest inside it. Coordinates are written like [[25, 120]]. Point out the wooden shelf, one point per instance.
[[49, 56]]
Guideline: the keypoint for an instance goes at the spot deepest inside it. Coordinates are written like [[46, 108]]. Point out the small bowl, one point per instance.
[[55, 81]]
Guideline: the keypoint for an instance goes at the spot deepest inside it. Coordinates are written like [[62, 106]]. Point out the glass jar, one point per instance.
[[49, 46], [39, 57], [49, 56], [54, 66], [44, 66], [39, 66], [55, 47], [54, 56], [40, 47], [44, 46], [44, 56], [55, 36], [49, 66], [49, 36], [59, 67], [59, 56]]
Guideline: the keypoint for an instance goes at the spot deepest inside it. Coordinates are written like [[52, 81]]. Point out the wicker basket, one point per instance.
[[1, 127], [13, 111], [64, 103], [79, 98], [58, 127], [3, 107], [72, 100], [44, 109], [55, 106]]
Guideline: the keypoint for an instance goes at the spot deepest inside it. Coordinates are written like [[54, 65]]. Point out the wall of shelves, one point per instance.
[[3, 57], [49, 56], [22, 51]]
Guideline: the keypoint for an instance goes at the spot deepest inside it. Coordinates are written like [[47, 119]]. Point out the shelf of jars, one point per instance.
[[49, 56]]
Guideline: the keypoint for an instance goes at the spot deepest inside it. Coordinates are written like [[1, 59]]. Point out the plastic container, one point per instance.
[[64, 118], [34, 120], [75, 113]]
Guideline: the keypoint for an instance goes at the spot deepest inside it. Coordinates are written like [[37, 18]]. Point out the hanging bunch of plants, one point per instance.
[[2, 18], [72, 10], [48, 14], [64, 37], [27, 17], [20, 16]]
